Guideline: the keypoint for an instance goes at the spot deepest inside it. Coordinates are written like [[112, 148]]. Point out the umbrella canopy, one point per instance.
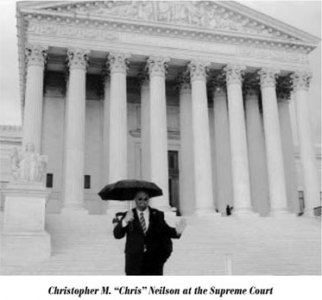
[[127, 189]]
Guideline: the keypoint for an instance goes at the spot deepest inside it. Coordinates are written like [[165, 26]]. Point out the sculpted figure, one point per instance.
[[27, 165]]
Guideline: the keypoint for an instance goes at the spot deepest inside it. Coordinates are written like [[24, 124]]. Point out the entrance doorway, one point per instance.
[[173, 163]]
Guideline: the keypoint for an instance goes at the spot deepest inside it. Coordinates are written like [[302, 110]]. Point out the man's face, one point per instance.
[[142, 201]]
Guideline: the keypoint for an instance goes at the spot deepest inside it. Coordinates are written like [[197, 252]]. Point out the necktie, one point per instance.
[[142, 221]]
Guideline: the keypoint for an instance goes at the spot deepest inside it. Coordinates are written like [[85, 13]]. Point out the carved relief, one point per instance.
[[157, 65], [80, 32], [77, 58], [70, 31], [204, 14], [36, 55], [198, 70], [268, 77], [301, 80], [118, 62], [27, 165], [234, 73]]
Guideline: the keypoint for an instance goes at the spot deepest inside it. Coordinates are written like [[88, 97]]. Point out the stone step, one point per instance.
[[84, 245]]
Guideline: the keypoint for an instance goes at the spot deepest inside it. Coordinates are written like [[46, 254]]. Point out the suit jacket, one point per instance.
[[156, 241]]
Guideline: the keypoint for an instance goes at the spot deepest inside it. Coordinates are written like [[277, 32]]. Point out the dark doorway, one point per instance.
[[173, 161]]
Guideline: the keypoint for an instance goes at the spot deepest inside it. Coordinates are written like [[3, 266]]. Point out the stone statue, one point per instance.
[[27, 165]]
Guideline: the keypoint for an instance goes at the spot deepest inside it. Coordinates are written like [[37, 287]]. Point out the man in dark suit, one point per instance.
[[148, 237]]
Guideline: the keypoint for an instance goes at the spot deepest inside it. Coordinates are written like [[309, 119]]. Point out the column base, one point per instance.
[[311, 213], [245, 213], [206, 213], [24, 248], [74, 210], [281, 214]]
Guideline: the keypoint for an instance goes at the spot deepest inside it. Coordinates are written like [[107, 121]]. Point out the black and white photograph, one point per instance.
[[160, 138]]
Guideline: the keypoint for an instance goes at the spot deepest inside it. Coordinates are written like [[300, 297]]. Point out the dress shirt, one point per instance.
[[146, 216]]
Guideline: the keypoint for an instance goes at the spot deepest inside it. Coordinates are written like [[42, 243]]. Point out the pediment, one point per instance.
[[224, 17]]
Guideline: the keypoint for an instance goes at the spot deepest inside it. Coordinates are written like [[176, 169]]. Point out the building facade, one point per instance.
[[191, 95]]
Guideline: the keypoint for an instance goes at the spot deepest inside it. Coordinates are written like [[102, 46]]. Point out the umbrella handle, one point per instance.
[[131, 204]]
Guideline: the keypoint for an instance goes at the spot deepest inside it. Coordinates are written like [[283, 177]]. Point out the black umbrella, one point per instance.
[[127, 189]]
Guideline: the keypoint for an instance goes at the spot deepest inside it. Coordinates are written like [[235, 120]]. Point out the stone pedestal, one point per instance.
[[24, 239]]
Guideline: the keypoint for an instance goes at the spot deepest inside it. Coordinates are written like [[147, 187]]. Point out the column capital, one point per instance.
[[143, 79], [234, 73], [251, 86], [157, 65], [268, 77], [36, 55], [283, 88], [301, 80], [118, 62], [77, 58], [217, 84], [183, 83], [105, 76], [198, 70]]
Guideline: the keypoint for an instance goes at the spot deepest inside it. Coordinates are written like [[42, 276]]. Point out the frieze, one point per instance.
[[72, 31], [204, 14], [271, 54], [100, 35]]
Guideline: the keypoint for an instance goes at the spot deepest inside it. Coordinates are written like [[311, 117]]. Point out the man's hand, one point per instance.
[[181, 225], [128, 217]]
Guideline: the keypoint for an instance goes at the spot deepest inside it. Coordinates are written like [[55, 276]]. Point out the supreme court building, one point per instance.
[[193, 95]]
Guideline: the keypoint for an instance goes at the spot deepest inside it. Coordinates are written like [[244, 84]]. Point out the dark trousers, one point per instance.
[[148, 264]]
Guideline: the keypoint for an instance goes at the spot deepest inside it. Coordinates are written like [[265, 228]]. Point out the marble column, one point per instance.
[[238, 141], [222, 157], [73, 193], [33, 106], [118, 131], [158, 139], [274, 153], [145, 128], [201, 139], [106, 111], [301, 82], [256, 152], [186, 184], [288, 152]]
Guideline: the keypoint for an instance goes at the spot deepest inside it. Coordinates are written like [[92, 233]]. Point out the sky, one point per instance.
[[305, 15]]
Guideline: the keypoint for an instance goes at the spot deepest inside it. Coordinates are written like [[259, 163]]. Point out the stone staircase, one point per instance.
[[83, 245]]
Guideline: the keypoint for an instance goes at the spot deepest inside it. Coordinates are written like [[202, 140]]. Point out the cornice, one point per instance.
[[149, 27], [28, 11]]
